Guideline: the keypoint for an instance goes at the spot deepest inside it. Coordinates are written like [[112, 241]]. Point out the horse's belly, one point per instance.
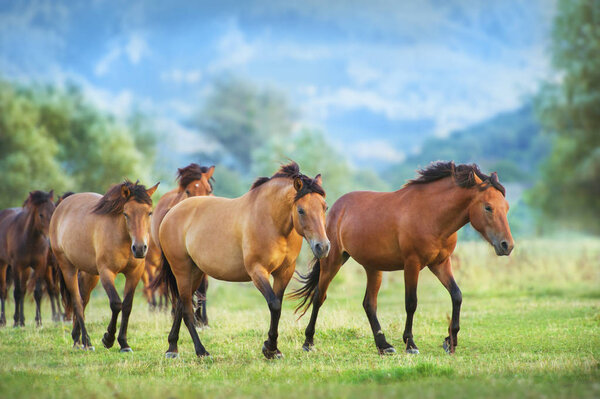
[[222, 263], [383, 262]]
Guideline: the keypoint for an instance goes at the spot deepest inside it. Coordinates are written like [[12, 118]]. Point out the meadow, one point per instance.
[[530, 327]]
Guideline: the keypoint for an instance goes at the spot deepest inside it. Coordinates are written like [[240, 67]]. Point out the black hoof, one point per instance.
[[447, 347], [387, 351], [89, 348], [126, 350], [271, 354], [308, 347], [107, 342], [171, 355]]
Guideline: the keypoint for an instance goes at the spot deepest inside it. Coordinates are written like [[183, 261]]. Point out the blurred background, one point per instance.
[[363, 92]]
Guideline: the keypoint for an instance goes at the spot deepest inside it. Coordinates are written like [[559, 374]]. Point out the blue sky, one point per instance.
[[377, 76]]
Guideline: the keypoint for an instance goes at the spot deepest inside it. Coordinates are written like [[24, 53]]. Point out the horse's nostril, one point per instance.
[[504, 245], [145, 247], [133, 248], [318, 247]]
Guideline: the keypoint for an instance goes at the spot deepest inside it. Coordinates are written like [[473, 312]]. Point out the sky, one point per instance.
[[377, 76]]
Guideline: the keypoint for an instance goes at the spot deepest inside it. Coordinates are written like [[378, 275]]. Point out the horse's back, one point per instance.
[[7, 217], [365, 224], [207, 229]]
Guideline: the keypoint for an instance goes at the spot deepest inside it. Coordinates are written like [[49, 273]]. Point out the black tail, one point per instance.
[[306, 292], [67, 300], [166, 276]]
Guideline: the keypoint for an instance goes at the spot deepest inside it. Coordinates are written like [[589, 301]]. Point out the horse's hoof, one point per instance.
[[89, 348], [412, 351], [108, 343], [126, 350], [171, 355], [205, 355], [390, 350], [447, 347], [271, 354], [306, 347]]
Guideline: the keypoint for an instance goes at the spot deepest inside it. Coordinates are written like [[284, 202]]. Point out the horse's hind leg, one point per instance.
[[20, 282], [328, 268], [188, 277], [411, 279], [200, 314], [3, 293], [443, 272], [370, 306], [131, 282], [70, 277], [39, 272]]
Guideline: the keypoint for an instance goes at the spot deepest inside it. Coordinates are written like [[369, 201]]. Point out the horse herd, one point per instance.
[[87, 237]]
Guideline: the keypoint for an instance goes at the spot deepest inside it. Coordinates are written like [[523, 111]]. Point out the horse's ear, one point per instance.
[[210, 172], [51, 193], [152, 189], [319, 180], [298, 184], [125, 193], [494, 177]]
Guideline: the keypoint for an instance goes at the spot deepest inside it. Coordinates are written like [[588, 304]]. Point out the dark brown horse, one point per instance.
[[24, 245], [248, 238], [408, 230], [194, 180], [102, 236]]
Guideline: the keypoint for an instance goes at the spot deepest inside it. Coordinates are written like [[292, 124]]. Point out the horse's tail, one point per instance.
[[65, 295], [166, 276], [306, 292]]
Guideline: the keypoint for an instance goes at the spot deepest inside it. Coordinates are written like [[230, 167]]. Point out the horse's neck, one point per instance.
[[276, 198], [27, 223], [178, 196], [450, 209]]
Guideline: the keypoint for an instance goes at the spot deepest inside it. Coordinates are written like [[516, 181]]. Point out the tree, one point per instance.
[[570, 112], [241, 117], [53, 138]]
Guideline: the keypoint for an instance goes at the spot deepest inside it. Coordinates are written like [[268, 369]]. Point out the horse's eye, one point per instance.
[[187, 192], [300, 211], [488, 208], [150, 214], [126, 216], [41, 215]]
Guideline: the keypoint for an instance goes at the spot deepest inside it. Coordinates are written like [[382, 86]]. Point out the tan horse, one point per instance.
[[408, 230], [102, 236], [194, 180], [243, 239]]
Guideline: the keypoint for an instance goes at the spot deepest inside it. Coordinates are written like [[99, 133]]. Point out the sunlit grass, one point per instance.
[[530, 326]]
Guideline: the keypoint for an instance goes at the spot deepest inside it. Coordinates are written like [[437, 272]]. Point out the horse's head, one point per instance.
[[137, 212], [309, 214], [195, 180], [488, 215], [41, 206]]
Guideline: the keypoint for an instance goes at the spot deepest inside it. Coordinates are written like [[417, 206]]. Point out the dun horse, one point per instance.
[[243, 239], [102, 236], [409, 229], [23, 245], [194, 180]]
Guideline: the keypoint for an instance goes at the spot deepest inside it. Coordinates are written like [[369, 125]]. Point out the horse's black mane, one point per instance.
[[38, 198], [113, 201], [292, 171], [192, 172], [463, 174]]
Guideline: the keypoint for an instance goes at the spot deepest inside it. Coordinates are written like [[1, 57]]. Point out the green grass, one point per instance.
[[530, 327]]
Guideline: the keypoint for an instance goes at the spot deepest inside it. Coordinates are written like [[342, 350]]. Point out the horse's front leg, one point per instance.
[[20, 282], [39, 271], [107, 277], [370, 306], [3, 293], [260, 278], [443, 272], [131, 282], [411, 279]]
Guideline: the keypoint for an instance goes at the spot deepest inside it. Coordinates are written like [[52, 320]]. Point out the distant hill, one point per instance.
[[510, 143]]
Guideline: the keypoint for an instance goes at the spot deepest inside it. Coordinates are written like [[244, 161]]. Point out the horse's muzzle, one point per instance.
[[320, 248], [503, 247], [139, 251]]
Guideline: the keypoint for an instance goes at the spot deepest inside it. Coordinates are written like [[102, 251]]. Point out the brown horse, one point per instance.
[[408, 229], [194, 180], [102, 236], [243, 239], [23, 245]]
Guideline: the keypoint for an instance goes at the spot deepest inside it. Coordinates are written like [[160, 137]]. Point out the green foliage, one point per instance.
[[53, 138], [569, 111], [241, 117], [311, 150]]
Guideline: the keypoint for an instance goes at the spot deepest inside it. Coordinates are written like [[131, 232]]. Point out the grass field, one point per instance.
[[530, 327]]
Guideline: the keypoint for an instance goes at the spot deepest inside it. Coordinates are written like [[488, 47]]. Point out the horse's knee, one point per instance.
[[411, 305], [456, 296], [275, 305], [116, 306]]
